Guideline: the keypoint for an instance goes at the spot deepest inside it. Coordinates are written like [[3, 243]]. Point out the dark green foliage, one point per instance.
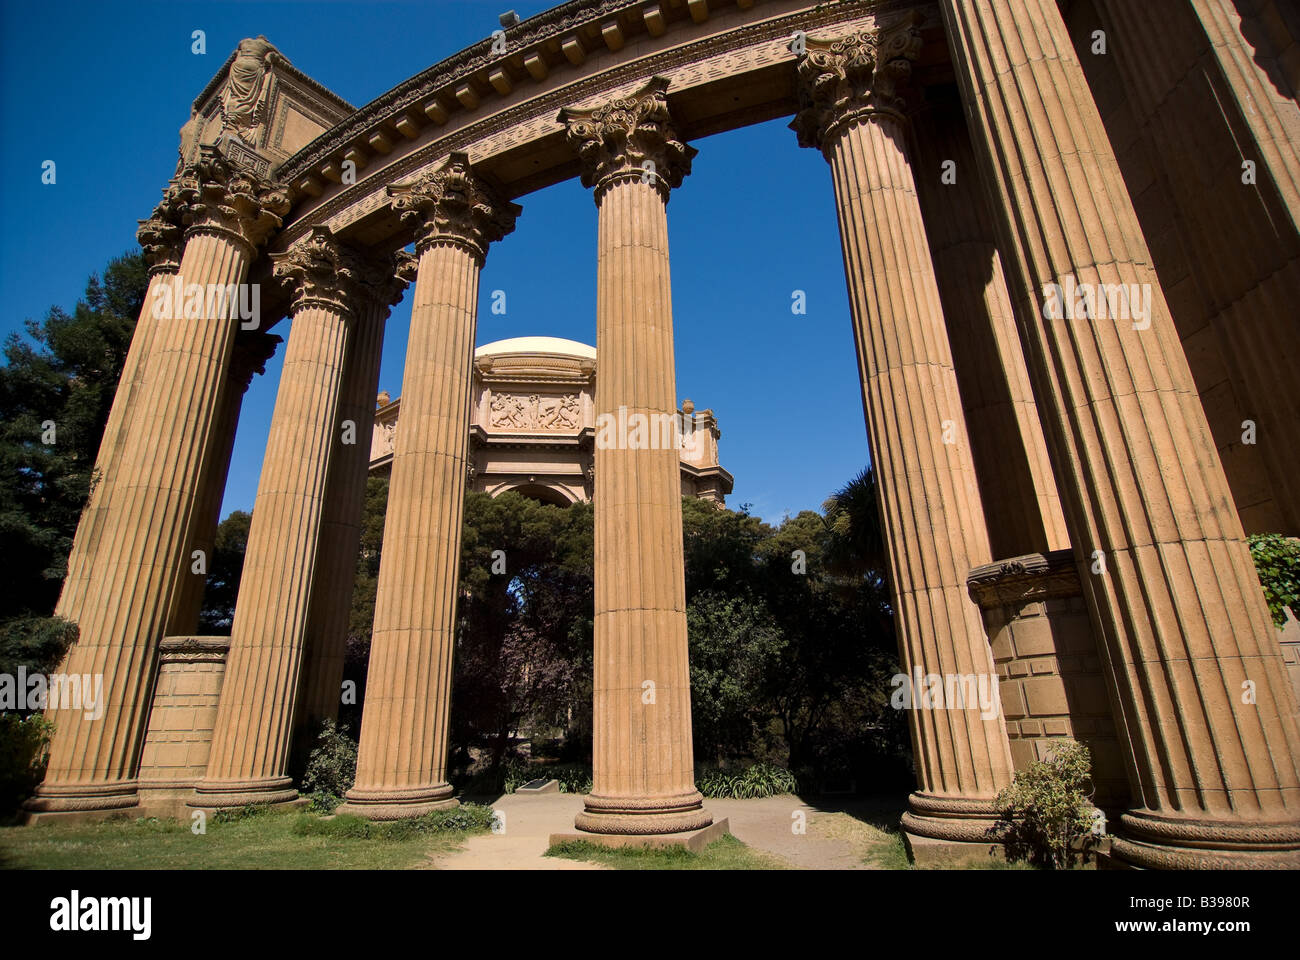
[[756, 780], [221, 588], [34, 643], [24, 750], [1277, 560], [1046, 812], [331, 766], [465, 818], [64, 372]]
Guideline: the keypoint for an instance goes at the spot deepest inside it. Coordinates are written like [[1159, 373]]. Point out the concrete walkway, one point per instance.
[[837, 836]]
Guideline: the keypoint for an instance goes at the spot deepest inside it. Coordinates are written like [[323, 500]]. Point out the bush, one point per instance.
[[757, 780], [1046, 812], [465, 818], [35, 643], [24, 751], [331, 766], [1277, 561]]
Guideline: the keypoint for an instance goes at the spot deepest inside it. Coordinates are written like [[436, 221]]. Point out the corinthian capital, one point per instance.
[[451, 203], [162, 240], [853, 78], [213, 194], [321, 271], [629, 138]]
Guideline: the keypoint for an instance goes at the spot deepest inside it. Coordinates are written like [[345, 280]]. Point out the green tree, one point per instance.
[[57, 384], [221, 589]]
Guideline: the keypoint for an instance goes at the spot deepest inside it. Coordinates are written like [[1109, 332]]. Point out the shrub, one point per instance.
[[465, 818], [1277, 560], [756, 780], [24, 751], [1047, 810], [331, 766]]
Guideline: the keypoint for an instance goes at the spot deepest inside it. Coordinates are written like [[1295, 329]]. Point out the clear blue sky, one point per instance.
[[103, 88]]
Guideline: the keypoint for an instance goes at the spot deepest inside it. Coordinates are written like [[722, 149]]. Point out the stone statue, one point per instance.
[[244, 85]]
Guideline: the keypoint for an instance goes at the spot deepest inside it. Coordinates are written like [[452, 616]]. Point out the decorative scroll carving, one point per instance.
[[1018, 580], [629, 138], [252, 350], [853, 78], [452, 203], [162, 240], [535, 413], [329, 273], [213, 194]]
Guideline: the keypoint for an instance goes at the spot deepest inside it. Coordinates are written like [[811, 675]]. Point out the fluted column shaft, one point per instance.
[[1192, 654], [402, 759], [142, 549], [1021, 505], [933, 521], [116, 428], [250, 741], [643, 762], [340, 537], [930, 505], [402, 755], [188, 604]]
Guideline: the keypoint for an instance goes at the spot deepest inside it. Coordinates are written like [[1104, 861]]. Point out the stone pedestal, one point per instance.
[[1051, 678], [933, 519], [643, 760], [1202, 697], [402, 758], [184, 710]]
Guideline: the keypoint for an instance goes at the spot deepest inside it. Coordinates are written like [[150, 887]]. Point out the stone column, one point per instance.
[[1188, 643], [643, 759], [1021, 505], [340, 536], [402, 758], [142, 550], [933, 520], [249, 358], [251, 738], [162, 242]]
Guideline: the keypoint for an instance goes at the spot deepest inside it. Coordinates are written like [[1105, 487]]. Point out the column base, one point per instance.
[[931, 854], [650, 816], [219, 794], [82, 802], [693, 840], [956, 819], [1149, 841], [397, 804]]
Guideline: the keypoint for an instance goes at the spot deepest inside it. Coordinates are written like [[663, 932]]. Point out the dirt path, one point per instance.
[[835, 837]]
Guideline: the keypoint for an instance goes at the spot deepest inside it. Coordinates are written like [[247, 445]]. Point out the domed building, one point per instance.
[[533, 425]]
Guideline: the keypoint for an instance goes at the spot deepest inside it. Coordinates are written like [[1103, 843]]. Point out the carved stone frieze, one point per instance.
[[535, 412], [855, 77], [629, 138]]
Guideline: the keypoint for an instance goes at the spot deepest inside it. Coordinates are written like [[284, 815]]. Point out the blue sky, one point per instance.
[[103, 88]]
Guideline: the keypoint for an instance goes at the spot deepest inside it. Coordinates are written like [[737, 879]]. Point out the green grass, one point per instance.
[[243, 840], [725, 853]]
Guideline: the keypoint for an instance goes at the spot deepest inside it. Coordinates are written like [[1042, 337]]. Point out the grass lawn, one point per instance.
[[725, 853], [249, 840]]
